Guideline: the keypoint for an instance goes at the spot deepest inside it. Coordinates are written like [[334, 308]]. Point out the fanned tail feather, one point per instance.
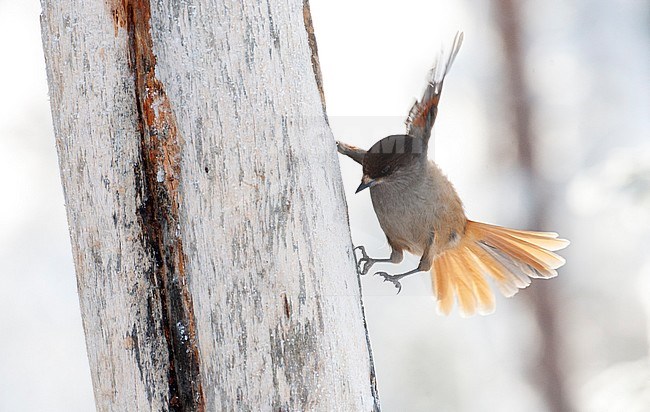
[[507, 256]]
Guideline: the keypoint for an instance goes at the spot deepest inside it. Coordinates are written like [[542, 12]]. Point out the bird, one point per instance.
[[420, 212]]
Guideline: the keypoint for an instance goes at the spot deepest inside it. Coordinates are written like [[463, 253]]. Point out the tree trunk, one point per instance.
[[205, 205]]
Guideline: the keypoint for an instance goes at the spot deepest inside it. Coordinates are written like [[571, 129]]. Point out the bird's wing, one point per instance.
[[353, 152], [423, 113]]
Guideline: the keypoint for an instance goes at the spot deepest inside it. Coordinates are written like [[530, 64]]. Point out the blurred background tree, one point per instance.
[[511, 24]]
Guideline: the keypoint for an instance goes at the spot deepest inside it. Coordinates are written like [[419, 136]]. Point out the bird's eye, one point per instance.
[[385, 170]]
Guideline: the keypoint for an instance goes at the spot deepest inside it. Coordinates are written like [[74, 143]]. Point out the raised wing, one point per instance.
[[423, 113]]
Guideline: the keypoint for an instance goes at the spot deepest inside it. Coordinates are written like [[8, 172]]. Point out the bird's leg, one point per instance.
[[365, 262], [425, 264], [395, 279]]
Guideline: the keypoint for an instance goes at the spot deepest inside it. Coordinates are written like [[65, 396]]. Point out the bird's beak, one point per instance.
[[365, 183]]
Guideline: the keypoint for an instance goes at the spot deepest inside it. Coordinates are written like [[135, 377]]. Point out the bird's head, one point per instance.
[[392, 159]]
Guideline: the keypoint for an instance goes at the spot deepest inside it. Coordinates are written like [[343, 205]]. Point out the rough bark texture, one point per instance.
[[205, 205], [549, 370]]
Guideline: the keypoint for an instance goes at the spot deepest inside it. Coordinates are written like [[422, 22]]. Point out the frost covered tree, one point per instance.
[[205, 206]]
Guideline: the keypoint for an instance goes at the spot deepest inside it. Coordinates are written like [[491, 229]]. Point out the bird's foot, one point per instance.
[[394, 279], [365, 262]]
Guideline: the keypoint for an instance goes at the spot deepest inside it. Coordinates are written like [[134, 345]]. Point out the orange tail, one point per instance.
[[509, 257]]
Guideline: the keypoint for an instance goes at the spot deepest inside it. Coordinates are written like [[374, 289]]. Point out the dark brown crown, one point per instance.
[[392, 153]]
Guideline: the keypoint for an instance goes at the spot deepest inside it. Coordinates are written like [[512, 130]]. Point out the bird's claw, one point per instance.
[[365, 262], [362, 249], [392, 279]]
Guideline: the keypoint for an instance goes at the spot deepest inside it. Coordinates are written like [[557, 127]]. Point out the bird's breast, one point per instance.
[[404, 216], [413, 212]]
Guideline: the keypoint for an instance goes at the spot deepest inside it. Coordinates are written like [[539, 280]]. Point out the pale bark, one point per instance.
[[205, 205]]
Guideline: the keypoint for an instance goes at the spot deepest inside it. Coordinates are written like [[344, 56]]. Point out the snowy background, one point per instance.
[[587, 64]]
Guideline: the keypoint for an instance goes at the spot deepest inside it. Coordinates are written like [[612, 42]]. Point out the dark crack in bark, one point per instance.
[[157, 177]]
